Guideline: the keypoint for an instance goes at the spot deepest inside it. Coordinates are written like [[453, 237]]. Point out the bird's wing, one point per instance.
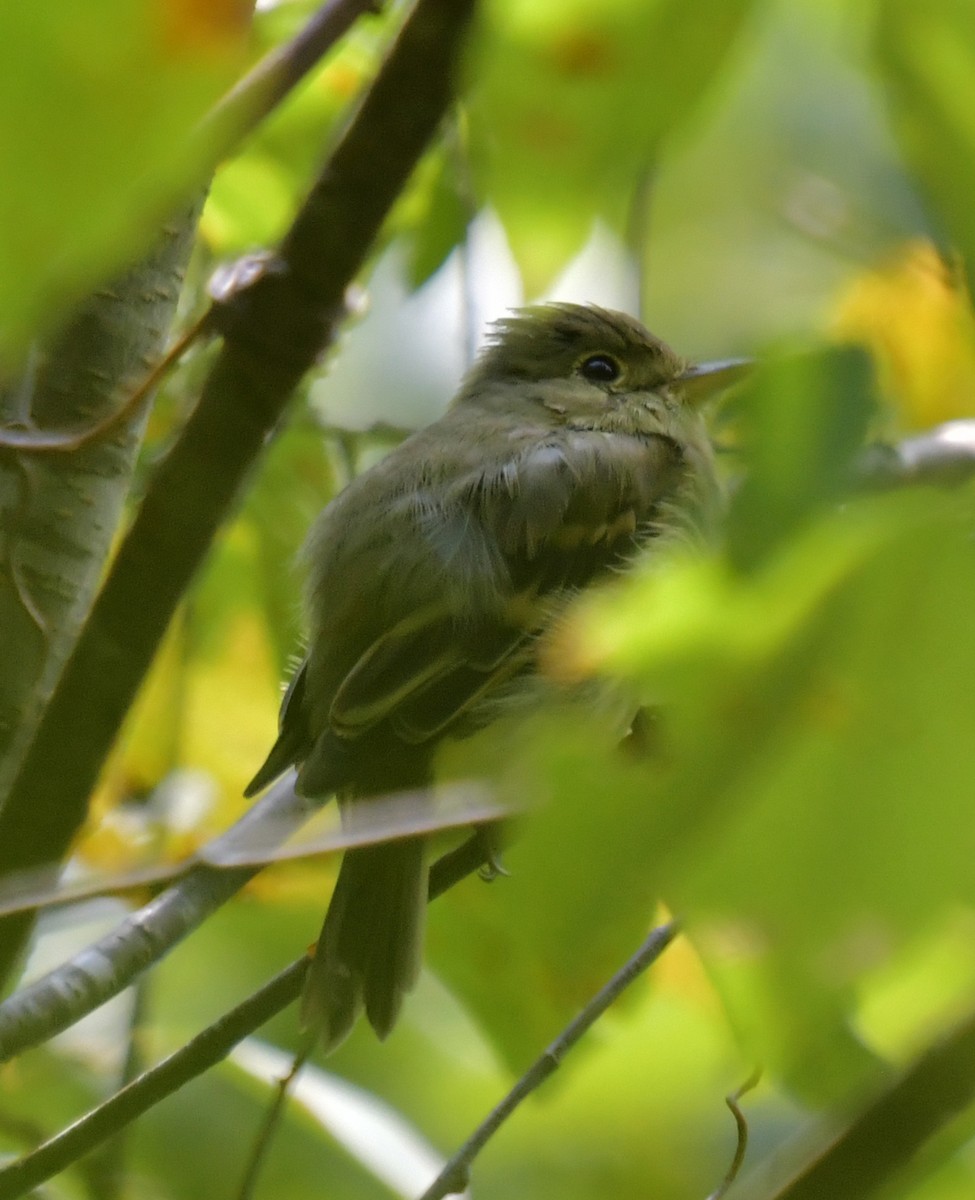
[[293, 738], [422, 673], [559, 514]]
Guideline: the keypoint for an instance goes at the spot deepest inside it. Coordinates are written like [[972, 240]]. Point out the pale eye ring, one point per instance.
[[600, 368]]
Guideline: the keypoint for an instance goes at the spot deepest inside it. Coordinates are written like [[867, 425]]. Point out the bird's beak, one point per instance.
[[701, 382]]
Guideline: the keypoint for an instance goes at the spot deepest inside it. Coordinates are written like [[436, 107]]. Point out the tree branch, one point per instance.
[[197, 1056], [102, 970], [267, 83], [888, 1132], [943, 457], [57, 517], [454, 1177], [274, 330], [248, 103], [200, 1054], [75, 988]]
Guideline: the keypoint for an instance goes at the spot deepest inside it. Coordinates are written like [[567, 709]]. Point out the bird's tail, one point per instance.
[[369, 951]]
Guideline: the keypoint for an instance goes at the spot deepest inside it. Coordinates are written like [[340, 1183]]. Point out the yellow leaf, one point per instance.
[[915, 316]]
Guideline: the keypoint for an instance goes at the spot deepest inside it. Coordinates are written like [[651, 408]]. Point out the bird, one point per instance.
[[574, 445]]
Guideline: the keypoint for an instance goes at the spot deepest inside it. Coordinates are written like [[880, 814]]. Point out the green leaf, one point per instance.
[[527, 951], [809, 808], [926, 53], [256, 191], [97, 103], [803, 420], [440, 224], [573, 103]]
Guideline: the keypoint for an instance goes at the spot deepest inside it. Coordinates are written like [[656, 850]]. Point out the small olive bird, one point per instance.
[[574, 442]]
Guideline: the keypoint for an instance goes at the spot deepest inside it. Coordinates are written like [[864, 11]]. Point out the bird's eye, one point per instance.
[[600, 368]]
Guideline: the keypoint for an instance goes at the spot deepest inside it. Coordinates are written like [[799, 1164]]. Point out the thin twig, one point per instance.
[[272, 1119], [454, 1177], [100, 971], [197, 1056], [638, 232], [741, 1126], [107, 1166], [889, 1131], [258, 839], [472, 855], [240, 111], [458, 160], [63, 441], [252, 98], [203, 1052]]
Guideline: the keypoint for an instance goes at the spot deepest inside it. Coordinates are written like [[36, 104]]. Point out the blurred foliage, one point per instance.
[[927, 58], [96, 113], [554, 96], [915, 313], [830, 686], [792, 178]]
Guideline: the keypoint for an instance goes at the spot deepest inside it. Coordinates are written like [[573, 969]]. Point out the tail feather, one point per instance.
[[369, 951]]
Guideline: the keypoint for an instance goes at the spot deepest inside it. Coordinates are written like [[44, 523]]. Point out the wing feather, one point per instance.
[[544, 523]]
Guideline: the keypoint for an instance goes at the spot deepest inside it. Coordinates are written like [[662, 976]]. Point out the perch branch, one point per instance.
[[199, 1055], [455, 1175]]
